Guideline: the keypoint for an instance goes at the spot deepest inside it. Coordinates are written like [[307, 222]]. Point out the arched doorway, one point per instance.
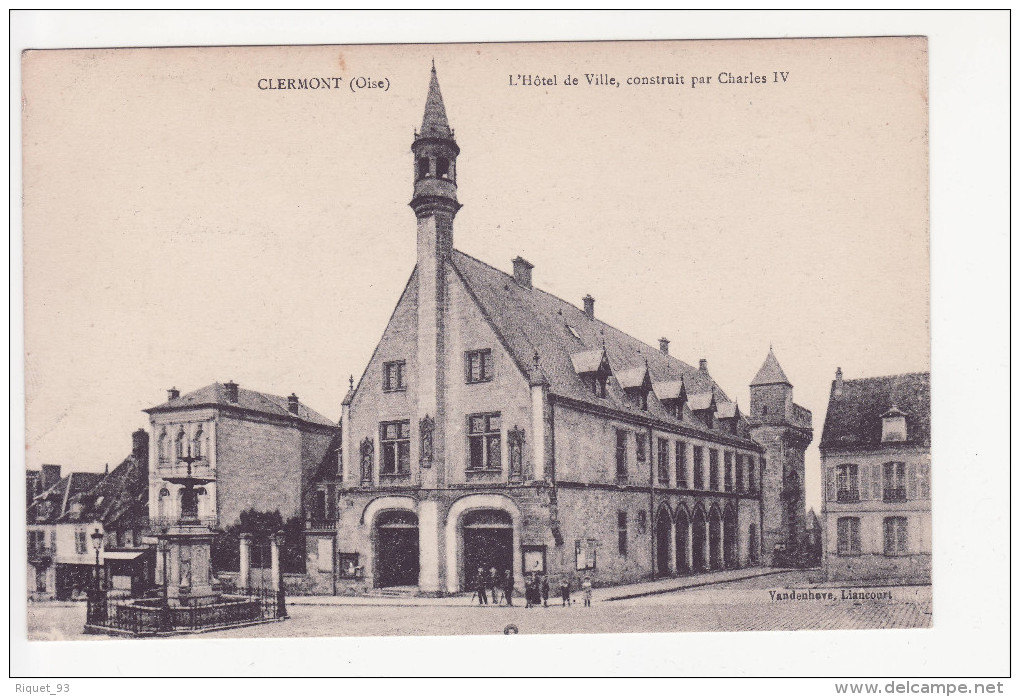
[[488, 542], [730, 538], [753, 555], [715, 538], [683, 532], [663, 540], [396, 549], [699, 537]]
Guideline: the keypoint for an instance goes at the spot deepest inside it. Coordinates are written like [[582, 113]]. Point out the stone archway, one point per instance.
[[730, 534], [715, 538], [683, 541], [699, 540], [665, 562], [395, 549], [454, 535], [369, 515]]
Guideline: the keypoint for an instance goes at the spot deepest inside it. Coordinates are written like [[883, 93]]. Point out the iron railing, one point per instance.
[[155, 616], [159, 522]]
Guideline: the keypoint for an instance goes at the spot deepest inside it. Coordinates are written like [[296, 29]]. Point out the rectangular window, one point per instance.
[[80, 544], [621, 456], [478, 366], [395, 444], [728, 470], [347, 565], [894, 482], [752, 474], [663, 463], [639, 440], [848, 534], [681, 464], [699, 467], [895, 535], [485, 442], [584, 554], [713, 469], [621, 532], [846, 484], [393, 376], [740, 473]]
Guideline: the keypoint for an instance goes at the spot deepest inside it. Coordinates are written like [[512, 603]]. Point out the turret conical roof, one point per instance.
[[770, 373], [433, 122]]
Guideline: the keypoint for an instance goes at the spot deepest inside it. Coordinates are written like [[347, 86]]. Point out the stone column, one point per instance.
[[276, 541], [672, 548], [690, 547], [244, 578], [429, 553]]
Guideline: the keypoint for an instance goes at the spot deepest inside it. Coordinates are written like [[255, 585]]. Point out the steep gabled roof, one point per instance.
[[770, 373], [62, 494], [529, 320], [250, 400], [120, 497], [433, 122], [854, 415]]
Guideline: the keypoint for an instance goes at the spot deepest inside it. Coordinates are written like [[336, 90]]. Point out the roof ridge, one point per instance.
[[887, 377]]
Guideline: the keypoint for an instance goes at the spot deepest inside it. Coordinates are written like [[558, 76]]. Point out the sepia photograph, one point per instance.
[[460, 339]]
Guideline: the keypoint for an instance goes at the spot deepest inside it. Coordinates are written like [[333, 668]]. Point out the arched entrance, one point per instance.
[[683, 548], [488, 542], [715, 538], [699, 538], [396, 549], [730, 538], [663, 540]]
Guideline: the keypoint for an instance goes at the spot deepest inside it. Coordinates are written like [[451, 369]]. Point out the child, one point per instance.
[[565, 592], [586, 587]]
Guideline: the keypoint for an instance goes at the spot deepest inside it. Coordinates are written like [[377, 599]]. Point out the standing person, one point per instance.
[[480, 587], [508, 588], [586, 587], [545, 591], [565, 592], [529, 590], [494, 585]]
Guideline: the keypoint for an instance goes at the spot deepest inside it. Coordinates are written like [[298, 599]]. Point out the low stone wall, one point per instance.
[[915, 568]]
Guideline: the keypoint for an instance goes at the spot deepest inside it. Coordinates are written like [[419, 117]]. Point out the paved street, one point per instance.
[[734, 606]]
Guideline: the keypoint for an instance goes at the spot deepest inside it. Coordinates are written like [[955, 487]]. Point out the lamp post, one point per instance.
[[97, 543]]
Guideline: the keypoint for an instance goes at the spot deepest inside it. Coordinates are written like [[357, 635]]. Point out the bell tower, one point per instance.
[[435, 165]]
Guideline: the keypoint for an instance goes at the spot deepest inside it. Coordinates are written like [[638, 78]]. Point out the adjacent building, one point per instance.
[[876, 467], [259, 450], [497, 425]]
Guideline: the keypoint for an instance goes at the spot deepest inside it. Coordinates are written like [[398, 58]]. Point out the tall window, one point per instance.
[[846, 484], [621, 532], [895, 535], [699, 467], [80, 544], [395, 447], [394, 378], [752, 474], [740, 473], [642, 449], [848, 536], [478, 367], [681, 464], [484, 444], [621, 456], [728, 470], [894, 481], [663, 462], [713, 469]]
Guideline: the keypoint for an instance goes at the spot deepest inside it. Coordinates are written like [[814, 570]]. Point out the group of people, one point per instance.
[[536, 589]]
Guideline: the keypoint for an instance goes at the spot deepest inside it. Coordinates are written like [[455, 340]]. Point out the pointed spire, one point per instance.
[[433, 122], [770, 373]]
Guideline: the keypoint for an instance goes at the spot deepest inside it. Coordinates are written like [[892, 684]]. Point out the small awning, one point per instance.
[[123, 556]]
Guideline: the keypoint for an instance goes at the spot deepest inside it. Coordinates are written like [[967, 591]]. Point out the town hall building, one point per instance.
[[497, 425]]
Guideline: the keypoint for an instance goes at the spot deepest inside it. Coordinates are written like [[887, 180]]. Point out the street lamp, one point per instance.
[[97, 543]]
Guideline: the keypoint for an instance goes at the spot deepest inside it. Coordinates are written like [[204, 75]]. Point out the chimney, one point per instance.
[[231, 391], [522, 272], [107, 470], [173, 393], [292, 403], [703, 365], [50, 476], [140, 442], [837, 388], [589, 306], [664, 345]]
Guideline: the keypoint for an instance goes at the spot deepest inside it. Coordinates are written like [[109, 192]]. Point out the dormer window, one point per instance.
[[637, 384], [593, 369], [894, 425]]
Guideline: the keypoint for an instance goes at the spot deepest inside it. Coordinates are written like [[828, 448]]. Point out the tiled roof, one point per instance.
[[726, 410], [701, 400], [216, 395], [770, 373], [433, 121], [327, 466], [122, 496], [530, 320], [670, 389], [854, 416], [62, 494]]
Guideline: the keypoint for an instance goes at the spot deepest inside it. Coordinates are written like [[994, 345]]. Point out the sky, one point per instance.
[[182, 226]]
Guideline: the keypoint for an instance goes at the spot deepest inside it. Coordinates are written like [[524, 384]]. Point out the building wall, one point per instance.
[[871, 509]]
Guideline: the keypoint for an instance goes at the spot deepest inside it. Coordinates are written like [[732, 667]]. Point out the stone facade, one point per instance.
[[497, 426]]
